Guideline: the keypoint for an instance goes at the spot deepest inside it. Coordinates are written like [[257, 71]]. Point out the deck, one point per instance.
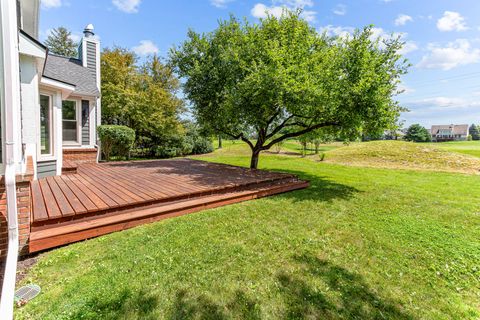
[[103, 198]]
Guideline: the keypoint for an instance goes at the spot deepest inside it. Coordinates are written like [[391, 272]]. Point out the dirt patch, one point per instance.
[[25, 264]]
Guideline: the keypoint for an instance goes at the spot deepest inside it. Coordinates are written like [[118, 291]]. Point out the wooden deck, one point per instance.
[[102, 198]]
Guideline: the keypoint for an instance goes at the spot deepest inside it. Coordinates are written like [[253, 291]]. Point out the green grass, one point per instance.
[[466, 147], [360, 243]]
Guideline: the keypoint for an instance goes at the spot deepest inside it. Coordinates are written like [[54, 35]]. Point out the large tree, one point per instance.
[[474, 132], [417, 133], [141, 96], [59, 41], [255, 81]]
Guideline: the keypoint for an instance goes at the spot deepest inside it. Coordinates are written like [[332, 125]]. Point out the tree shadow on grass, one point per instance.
[[202, 307], [125, 304], [348, 295], [321, 189]]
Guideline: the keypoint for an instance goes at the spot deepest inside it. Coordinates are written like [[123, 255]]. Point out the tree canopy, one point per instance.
[[59, 41], [474, 131], [417, 133], [141, 96], [266, 82]]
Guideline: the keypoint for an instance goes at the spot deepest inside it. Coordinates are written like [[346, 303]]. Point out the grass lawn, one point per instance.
[[360, 243], [466, 147], [405, 155]]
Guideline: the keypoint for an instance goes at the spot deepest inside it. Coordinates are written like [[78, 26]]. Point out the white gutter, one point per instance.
[[11, 104]]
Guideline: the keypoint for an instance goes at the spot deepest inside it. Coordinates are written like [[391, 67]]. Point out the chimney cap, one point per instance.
[[88, 31]]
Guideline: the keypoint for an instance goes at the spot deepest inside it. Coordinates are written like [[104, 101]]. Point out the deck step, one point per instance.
[[68, 232]]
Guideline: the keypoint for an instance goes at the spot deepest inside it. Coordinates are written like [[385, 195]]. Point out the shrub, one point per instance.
[[202, 145], [174, 146], [116, 140]]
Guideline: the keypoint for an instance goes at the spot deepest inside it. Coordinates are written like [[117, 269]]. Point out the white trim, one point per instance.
[[65, 88], [28, 47], [11, 102], [52, 153], [78, 120]]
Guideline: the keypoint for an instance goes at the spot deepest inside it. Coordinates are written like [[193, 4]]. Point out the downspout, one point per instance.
[[12, 107]]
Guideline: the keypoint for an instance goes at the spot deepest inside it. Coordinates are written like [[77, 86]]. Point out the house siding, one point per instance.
[[92, 58], [46, 168], [85, 122]]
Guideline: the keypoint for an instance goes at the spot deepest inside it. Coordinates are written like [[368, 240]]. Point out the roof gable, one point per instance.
[[71, 71]]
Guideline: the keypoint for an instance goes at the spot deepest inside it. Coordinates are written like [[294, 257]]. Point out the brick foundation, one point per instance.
[[80, 155], [24, 213]]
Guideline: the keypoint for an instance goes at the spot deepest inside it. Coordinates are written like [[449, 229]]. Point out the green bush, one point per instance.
[[174, 146], [116, 140], [201, 145]]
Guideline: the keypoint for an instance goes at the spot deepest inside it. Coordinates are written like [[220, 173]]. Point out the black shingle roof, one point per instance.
[[70, 70]]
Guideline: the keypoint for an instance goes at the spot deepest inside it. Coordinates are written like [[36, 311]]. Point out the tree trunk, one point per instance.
[[254, 160], [219, 142]]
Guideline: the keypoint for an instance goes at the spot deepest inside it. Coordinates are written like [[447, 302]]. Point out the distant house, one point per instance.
[[450, 132]]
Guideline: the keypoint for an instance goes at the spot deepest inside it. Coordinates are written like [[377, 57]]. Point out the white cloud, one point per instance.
[[76, 37], [128, 6], [277, 7], [47, 4], [451, 21], [337, 31], [457, 53], [145, 48], [408, 46], [402, 19], [405, 89], [340, 10], [220, 3]]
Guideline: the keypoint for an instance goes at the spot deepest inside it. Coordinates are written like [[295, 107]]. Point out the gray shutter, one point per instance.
[[85, 122]]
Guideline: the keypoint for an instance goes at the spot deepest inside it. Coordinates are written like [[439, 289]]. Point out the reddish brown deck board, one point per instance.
[[62, 202], [39, 209], [53, 210], [114, 196], [110, 201]]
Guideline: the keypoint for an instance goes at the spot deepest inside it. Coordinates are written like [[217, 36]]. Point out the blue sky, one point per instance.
[[442, 38]]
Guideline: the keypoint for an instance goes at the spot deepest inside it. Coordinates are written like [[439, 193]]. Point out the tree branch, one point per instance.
[[236, 137], [298, 133], [278, 128]]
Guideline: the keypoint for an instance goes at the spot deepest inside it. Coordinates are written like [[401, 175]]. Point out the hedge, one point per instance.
[[116, 140]]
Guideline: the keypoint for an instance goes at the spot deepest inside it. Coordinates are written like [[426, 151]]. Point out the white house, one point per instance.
[[49, 111]]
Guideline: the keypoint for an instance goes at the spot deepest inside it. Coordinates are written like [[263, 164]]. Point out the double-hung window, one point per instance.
[[70, 122]]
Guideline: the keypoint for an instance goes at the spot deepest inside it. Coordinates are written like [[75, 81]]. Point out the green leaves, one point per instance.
[[59, 41], [256, 80], [417, 133], [142, 97]]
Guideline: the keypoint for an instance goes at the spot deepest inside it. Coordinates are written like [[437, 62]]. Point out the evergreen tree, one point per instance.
[[474, 131], [60, 42], [417, 133]]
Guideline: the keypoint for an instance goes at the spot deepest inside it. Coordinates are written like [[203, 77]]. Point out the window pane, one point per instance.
[[45, 143], [69, 130], [69, 112]]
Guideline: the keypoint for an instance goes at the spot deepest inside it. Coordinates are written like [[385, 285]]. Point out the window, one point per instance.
[[70, 121], [45, 125]]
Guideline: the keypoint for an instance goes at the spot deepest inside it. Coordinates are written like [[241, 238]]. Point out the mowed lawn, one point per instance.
[[466, 147], [360, 243]]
